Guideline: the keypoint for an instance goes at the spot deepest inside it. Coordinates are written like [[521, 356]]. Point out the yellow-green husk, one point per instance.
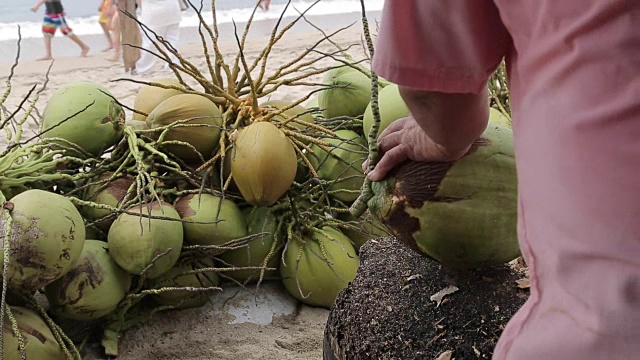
[[135, 240], [92, 288], [321, 272]]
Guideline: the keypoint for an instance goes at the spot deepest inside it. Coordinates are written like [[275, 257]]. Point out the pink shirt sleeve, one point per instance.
[[440, 45]]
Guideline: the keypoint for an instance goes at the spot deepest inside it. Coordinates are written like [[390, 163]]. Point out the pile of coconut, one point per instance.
[[116, 213]]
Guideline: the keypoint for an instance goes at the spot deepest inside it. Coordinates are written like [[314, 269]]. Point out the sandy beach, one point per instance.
[[197, 333], [97, 68]]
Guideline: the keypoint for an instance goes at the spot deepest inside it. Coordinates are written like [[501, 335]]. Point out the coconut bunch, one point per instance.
[[186, 195], [261, 153]]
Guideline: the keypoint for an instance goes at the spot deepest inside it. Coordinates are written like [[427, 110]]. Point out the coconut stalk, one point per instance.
[[360, 205]]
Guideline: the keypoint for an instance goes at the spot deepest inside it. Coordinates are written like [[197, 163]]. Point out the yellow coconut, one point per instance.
[[263, 164], [197, 110], [151, 96]]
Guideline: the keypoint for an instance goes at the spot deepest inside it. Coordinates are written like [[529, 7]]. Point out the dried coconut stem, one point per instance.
[[360, 205], [205, 47]]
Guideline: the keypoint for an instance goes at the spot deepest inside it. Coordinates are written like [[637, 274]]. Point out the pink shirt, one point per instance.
[[574, 68]]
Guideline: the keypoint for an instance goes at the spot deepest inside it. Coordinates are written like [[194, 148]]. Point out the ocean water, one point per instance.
[[82, 15]]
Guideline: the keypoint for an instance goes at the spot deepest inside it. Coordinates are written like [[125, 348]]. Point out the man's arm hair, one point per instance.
[[453, 121]]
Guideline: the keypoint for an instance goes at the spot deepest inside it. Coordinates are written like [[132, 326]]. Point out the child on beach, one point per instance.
[[54, 19]]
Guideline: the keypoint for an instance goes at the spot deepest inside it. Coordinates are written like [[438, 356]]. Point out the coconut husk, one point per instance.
[[387, 312]]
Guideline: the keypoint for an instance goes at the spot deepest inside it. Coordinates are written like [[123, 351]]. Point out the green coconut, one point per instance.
[[498, 118], [311, 277], [314, 106], [343, 165], [313, 103], [134, 241], [149, 96], [95, 129], [391, 107], [47, 237], [298, 111], [349, 96], [111, 194], [462, 213], [178, 277], [263, 163], [137, 124], [363, 229], [92, 288], [207, 208], [40, 344], [259, 220], [200, 110]]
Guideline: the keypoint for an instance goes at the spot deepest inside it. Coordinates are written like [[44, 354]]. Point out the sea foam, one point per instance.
[[89, 25]]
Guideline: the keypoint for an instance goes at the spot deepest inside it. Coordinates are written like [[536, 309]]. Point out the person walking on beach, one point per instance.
[[54, 19], [116, 35], [574, 76], [264, 4], [106, 14], [163, 18]]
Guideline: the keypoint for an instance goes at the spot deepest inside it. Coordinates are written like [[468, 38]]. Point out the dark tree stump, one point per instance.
[[387, 313]]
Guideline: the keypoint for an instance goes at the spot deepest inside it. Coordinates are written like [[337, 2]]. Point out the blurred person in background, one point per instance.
[[161, 17], [106, 13], [264, 4], [54, 19]]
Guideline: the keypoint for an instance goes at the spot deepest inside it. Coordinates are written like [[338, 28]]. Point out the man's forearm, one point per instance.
[[454, 121]]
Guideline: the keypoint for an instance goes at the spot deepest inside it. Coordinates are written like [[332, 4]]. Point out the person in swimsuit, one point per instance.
[[106, 14], [54, 19]]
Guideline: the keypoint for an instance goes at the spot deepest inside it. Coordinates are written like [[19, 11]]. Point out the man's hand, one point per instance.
[[443, 126], [404, 139]]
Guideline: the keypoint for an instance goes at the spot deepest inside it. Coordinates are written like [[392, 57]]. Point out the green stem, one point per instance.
[[360, 205]]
